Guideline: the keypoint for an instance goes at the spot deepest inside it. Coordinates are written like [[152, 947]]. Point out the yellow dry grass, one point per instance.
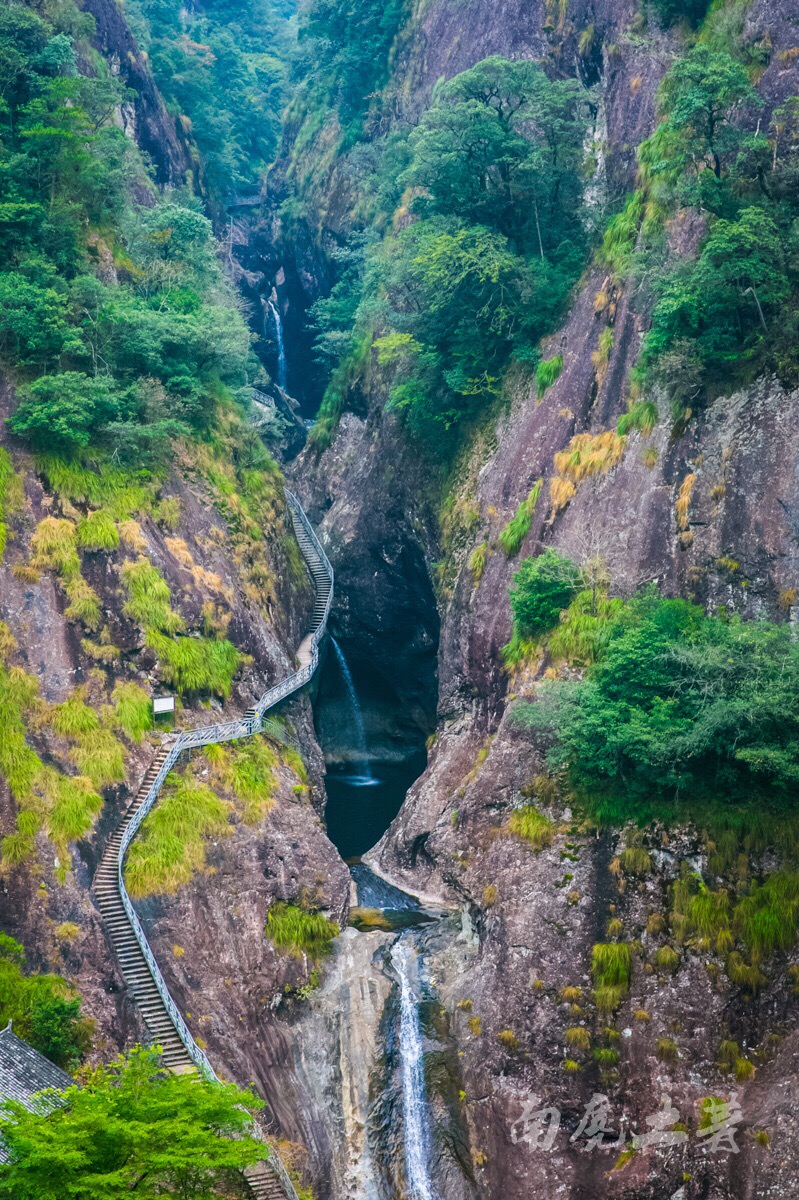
[[683, 501]]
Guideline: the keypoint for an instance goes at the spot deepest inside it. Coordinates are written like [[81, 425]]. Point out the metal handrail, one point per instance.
[[211, 735]]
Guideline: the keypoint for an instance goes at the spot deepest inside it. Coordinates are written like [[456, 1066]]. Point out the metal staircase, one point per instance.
[[268, 1179]]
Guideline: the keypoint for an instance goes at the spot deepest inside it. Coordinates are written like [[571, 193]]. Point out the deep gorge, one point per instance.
[[507, 295]]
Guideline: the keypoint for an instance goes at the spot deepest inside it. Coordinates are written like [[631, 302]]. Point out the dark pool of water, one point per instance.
[[360, 808]]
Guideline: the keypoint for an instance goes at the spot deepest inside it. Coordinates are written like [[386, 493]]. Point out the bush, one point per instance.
[[64, 409], [542, 588], [638, 733], [44, 1009], [300, 931]]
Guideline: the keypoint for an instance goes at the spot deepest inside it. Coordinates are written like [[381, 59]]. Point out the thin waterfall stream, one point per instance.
[[415, 1109], [363, 776], [282, 370]]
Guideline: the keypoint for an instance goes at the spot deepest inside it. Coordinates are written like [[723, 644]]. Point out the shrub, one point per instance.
[[514, 533], [542, 588], [547, 372], [532, 826], [300, 931]]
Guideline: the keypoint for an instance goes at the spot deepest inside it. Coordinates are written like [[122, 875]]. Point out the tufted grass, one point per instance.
[[512, 536], [75, 804], [171, 845], [611, 967], [247, 769], [477, 562], [197, 664], [10, 495], [53, 547], [74, 718], [300, 931], [84, 603], [579, 1037], [667, 959], [101, 757], [766, 919], [641, 415], [546, 373], [124, 493], [149, 603], [584, 628], [532, 826], [133, 710], [97, 531], [18, 762], [634, 860]]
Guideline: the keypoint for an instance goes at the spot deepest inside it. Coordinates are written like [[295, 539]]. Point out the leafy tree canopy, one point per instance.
[[132, 1128]]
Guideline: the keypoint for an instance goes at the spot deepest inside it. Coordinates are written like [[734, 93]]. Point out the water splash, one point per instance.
[[282, 369], [365, 778], [415, 1111]]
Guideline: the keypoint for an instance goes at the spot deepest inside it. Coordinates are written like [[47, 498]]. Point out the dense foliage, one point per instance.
[[678, 711], [221, 65], [114, 319], [492, 177], [44, 1009], [132, 1128], [542, 588], [730, 310]]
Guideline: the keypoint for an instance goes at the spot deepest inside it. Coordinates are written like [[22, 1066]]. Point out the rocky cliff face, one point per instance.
[[533, 916]]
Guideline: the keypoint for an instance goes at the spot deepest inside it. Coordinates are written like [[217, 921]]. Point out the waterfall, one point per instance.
[[415, 1112], [366, 777], [282, 373]]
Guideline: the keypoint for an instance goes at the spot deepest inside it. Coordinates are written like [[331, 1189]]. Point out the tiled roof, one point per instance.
[[24, 1071]]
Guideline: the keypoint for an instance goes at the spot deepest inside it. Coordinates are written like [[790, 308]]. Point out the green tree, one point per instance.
[[44, 1009], [700, 95], [63, 410], [502, 145], [133, 1128], [682, 708], [542, 588]]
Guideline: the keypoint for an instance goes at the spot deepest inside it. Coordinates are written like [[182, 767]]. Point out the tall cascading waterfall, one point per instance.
[[282, 370], [365, 777], [415, 1110]]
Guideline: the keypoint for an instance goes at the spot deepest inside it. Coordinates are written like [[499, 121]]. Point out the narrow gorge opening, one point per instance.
[[373, 739]]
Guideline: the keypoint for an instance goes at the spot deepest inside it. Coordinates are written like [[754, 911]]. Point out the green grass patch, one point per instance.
[[514, 533], [10, 495], [300, 931], [642, 416], [98, 531], [133, 710], [100, 757], [532, 826], [197, 664], [149, 603], [546, 373], [124, 493], [170, 847], [74, 718], [247, 770]]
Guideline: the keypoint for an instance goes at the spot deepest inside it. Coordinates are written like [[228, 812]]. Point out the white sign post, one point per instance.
[[163, 704]]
